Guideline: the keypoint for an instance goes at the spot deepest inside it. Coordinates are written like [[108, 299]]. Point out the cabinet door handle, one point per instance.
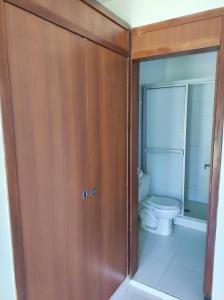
[[93, 192], [85, 194]]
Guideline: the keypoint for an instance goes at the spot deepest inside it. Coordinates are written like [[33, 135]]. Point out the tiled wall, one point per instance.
[[199, 134]]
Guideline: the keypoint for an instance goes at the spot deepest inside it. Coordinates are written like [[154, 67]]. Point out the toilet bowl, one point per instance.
[[157, 214]]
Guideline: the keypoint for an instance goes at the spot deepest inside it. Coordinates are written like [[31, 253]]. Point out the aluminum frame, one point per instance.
[[179, 152]]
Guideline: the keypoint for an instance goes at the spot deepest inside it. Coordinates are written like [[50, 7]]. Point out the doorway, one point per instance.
[[176, 108]]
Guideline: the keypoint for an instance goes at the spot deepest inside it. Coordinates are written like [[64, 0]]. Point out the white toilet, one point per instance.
[[157, 213]]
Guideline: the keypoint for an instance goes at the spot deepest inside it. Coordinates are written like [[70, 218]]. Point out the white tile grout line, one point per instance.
[[155, 291], [152, 291], [169, 264]]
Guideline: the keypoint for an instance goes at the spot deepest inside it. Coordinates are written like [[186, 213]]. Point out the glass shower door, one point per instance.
[[164, 138]]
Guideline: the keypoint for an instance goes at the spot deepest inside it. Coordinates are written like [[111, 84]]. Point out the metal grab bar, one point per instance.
[[164, 151]]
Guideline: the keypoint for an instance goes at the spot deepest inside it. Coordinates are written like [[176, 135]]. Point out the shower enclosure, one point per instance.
[[175, 141]]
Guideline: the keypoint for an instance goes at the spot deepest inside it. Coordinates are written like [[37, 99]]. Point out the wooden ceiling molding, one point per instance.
[[194, 32], [80, 18]]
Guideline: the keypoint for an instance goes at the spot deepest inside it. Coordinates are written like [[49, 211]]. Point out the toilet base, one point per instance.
[[164, 227]]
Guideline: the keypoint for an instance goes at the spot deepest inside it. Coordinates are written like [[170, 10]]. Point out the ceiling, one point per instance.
[[142, 12]]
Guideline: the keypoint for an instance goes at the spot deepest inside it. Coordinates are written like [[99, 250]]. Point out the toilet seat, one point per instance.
[[165, 203]]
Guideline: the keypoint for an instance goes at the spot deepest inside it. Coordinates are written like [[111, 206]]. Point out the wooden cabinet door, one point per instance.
[[47, 67], [107, 111]]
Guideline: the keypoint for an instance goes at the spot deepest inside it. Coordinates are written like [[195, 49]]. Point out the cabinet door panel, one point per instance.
[[107, 110], [47, 68]]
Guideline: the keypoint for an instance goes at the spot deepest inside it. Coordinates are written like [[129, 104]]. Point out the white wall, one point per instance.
[[142, 12], [7, 281], [218, 289], [198, 144]]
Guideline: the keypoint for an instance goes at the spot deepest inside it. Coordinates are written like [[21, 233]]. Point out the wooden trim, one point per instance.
[[129, 157], [50, 16], [215, 172], [191, 48], [186, 37], [175, 54], [133, 178], [215, 169], [10, 152], [107, 13], [179, 21]]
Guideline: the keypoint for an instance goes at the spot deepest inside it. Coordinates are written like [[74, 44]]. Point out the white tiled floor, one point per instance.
[[131, 290], [132, 293], [173, 264]]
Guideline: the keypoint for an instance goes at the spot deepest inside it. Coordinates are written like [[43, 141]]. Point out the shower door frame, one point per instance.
[[181, 152], [187, 83]]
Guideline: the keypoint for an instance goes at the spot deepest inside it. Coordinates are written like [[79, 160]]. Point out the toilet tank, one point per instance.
[[143, 186]]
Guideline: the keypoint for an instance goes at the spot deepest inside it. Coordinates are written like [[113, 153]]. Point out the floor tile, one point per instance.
[[190, 258], [192, 251], [195, 240], [173, 264], [146, 245], [150, 271], [132, 293], [182, 283], [164, 248]]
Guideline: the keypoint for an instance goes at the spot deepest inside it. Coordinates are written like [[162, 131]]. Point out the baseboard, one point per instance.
[[151, 291], [191, 223]]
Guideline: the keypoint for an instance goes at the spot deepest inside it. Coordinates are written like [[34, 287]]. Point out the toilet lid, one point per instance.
[[164, 202]]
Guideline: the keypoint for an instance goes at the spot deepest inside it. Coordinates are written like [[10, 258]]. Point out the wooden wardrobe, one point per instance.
[[64, 96]]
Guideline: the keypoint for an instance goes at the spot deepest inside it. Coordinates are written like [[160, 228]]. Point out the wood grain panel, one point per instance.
[[11, 169], [215, 168], [47, 68], [186, 37], [79, 17], [107, 81]]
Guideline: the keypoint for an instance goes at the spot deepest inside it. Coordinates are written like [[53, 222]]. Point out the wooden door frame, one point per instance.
[[215, 158], [133, 164]]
